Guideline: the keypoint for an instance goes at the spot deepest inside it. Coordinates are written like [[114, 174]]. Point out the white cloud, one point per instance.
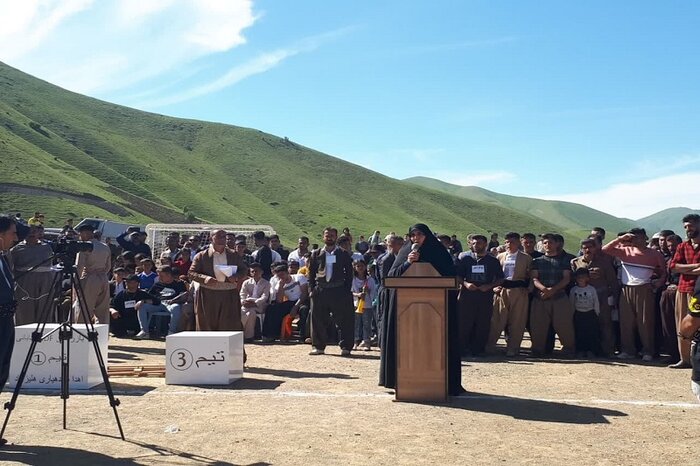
[[638, 199], [24, 25], [257, 65], [236, 74], [96, 47]]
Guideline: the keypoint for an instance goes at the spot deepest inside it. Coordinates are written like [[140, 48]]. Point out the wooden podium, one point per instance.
[[421, 332]]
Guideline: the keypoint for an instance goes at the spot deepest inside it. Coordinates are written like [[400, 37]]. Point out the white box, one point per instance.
[[203, 358], [45, 368]]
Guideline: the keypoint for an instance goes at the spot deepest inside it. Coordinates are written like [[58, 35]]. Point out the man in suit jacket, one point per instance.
[[8, 305], [511, 299], [217, 303], [330, 283]]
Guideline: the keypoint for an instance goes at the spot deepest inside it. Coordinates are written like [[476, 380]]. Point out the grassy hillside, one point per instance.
[[668, 219], [575, 219], [141, 167]]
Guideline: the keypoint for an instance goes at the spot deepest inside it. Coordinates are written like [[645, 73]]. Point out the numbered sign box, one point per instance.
[[203, 358], [45, 367]]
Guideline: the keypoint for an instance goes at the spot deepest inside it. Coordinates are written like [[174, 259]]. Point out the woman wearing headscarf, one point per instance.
[[429, 250]]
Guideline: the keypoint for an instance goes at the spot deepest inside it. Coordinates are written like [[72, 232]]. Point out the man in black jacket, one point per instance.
[[8, 305], [330, 283]]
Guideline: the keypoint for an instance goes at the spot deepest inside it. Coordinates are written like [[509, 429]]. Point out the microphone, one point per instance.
[[415, 247]]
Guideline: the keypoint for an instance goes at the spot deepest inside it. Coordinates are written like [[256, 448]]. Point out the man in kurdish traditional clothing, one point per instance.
[[217, 302], [93, 269], [33, 288]]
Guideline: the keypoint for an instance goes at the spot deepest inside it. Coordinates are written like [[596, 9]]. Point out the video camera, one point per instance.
[[71, 248]]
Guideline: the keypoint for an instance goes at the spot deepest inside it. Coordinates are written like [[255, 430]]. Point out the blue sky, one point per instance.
[[594, 102]]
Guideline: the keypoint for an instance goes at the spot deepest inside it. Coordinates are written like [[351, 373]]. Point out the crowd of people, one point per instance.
[[622, 298]]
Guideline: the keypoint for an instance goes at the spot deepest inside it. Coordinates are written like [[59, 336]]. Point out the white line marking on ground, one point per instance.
[[302, 394], [298, 394]]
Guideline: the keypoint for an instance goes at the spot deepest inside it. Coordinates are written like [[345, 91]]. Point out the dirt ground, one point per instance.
[[292, 408]]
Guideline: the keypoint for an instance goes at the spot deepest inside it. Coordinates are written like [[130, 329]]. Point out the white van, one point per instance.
[[108, 228]]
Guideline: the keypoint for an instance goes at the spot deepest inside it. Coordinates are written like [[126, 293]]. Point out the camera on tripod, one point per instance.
[[71, 248]]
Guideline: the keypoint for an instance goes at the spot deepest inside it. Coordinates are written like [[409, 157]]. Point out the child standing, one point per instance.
[[584, 300], [364, 290]]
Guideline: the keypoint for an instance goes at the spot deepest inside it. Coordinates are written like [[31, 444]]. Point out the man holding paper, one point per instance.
[[218, 271]]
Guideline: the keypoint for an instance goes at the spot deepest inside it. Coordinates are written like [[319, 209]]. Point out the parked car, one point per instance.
[[108, 228]]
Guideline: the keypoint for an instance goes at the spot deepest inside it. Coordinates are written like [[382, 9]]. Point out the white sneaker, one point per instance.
[[142, 335], [647, 358], [624, 356]]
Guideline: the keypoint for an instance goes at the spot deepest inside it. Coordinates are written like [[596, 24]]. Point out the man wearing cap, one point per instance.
[[135, 243], [255, 295], [639, 265], [217, 302], [93, 269]]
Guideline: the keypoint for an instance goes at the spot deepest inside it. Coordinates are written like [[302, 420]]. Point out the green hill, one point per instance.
[[70, 155], [667, 219], [575, 219]]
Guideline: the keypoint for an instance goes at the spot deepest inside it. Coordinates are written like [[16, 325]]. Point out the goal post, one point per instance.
[[158, 233]]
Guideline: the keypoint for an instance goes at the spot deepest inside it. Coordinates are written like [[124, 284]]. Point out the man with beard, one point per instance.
[[217, 302], [300, 252], [685, 262], [480, 273], [330, 283], [604, 279]]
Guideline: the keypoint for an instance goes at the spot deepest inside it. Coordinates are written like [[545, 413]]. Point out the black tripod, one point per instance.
[[65, 334]]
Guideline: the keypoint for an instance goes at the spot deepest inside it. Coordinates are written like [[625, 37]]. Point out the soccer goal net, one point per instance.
[[158, 233]]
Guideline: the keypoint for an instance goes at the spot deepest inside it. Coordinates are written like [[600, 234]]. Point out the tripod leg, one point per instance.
[[65, 336], [10, 405], [36, 338], [92, 337]]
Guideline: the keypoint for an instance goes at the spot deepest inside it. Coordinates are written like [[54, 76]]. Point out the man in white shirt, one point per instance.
[[299, 253], [288, 293], [255, 295]]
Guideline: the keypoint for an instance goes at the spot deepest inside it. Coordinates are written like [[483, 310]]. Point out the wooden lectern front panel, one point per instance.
[[421, 345]]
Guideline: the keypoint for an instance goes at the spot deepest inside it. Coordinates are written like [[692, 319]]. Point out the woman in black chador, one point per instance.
[[432, 251]]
